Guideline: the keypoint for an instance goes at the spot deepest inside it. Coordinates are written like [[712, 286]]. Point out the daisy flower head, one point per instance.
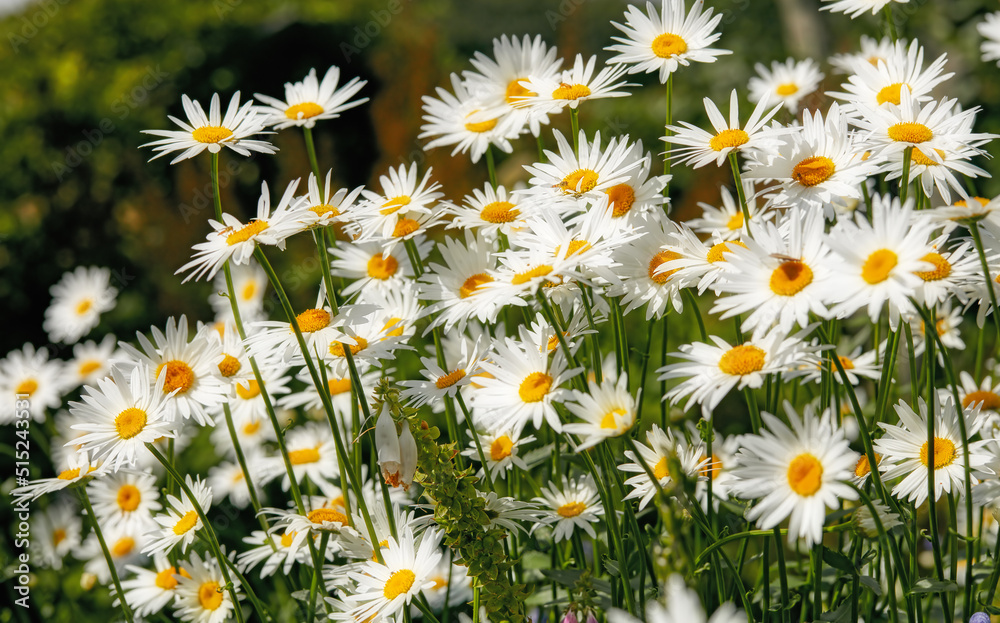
[[872, 51], [374, 336], [638, 267], [181, 521], [313, 455], [390, 212], [986, 396], [552, 93], [575, 505], [29, 380], [989, 28], [785, 83], [953, 270], [861, 364], [663, 446], [438, 382], [236, 241], [726, 221], [246, 400], [663, 41], [57, 531], [276, 552], [126, 497], [273, 340], [78, 301], [79, 468], [212, 131], [946, 173], [907, 452], [310, 100], [124, 545], [856, 8], [367, 265], [201, 596], [698, 147], [488, 212], [586, 172], [149, 591], [881, 82], [502, 449], [465, 121], [798, 472], [250, 286], [607, 410], [228, 481], [325, 208], [92, 361], [680, 605]]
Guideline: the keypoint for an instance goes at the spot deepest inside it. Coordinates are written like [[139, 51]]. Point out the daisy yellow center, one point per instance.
[[394, 327], [918, 157], [69, 474], [339, 386], [528, 275], [312, 320], [394, 205], [405, 227], [534, 387], [211, 134], [129, 497], [246, 392], [515, 91], [88, 367], [713, 468], [337, 349], [668, 44], [499, 212], [210, 596], [123, 547], [579, 181], [742, 359], [962, 203], [501, 448], [472, 284], [482, 126], [165, 579], [251, 428], [735, 222], [382, 268], [621, 197], [287, 538], [988, 399], [846, 362], [574, 247], [398, 583], [805, 474], [571, 91], [892, 93], [715, 254], [571, 509], [786, 89], [910, 132], [304, 456], [83, 307], [58, 536], [325, 209], [28, 387], [863, 467], [659, 259], [879, 264], [322, 515], [246, 232], [305, 110], [609, 421], [130, 422], [185, 523], [729, 139], [439, 582], [941, 270], [943, 451], [450, 379], [180, 376], [230, 365], [660, 470], [791, 278], [813, 171]]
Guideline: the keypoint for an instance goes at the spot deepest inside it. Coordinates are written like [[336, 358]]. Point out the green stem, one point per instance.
[[978, 240], [667, 133], [904, 180], [574, 118], [734, 163], [491, 166], [311, 150], [107, 553]]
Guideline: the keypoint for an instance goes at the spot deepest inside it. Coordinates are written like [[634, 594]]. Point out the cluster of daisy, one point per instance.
[[504, 316]]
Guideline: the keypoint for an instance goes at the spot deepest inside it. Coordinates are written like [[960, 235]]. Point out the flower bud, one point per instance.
[[408, 456], [387, 445]]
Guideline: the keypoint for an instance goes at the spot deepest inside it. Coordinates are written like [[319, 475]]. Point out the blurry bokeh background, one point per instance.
[[80, 79]]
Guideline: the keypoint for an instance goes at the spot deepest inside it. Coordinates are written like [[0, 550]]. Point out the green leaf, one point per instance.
[[838, 561], [927, 585]]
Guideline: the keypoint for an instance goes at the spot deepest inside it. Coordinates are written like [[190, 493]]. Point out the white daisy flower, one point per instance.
[[339, 388], [861, 364], [785, 83], [201, 597], [662, 445], [553, 92], [124, 545], [588, 172], [313, 455], [273, 340], [638, 268], [181, 521], [401, 199], [953, 271], [276, 552], [856, 8], [28, 375], [875, 84], [150, 590], [125, 497], [945, 174], [246, 401], [872, 51], [55, 532], [439, 383], [502, 449], [227, 480], [726, 222], [78, 301], [608, 410], [989, 28], [691, 261], [466, 121], [249, 285], [79, 468], [311, 100], [680, 605], [368, 266], [92, 361], [487, 212], [576, 505]]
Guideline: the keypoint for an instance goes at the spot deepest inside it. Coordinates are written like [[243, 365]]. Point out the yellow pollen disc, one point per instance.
[[918, 157], [940, 326], [608, 422], [398, 583], [534, 387], [322, 515], [304, 456], [790, 278], [660, 470], [729, 139], [892, 93], [910, 132], [230, 365], [658, 259], [873, 60], [863, 467], [251, 390], [123, 547], [251, 428], [574, 247], [742, 359], [877, 267], [450, 379], [499, 212], [805, 474], [312, 320], [58, 536], [571, 91], [210, 596], [482, 126], [394, 205], [551, 344], [715, 254], [944, 452], [846, 362], [246, 232], [339, 386], [501, 448], [83, 306], [129, 497], [515, 92], [579, 181], [713, 468], [130, 422], [337, 349], [88, 366], [667, 45], [572, 509], [180, 376], [69, 474], [287, 538], [393, 327], [305, 110], [813, 171], [27, 387], [382, 268], [248, 291], [735, 222], [185, 523], [405, 227], [786, 89], [211, 134], [472, 284], [988, 399], [942, 267], [962, 203], [528, 275], [621, 197], [325, 209], [439, 582], [165, 579]]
